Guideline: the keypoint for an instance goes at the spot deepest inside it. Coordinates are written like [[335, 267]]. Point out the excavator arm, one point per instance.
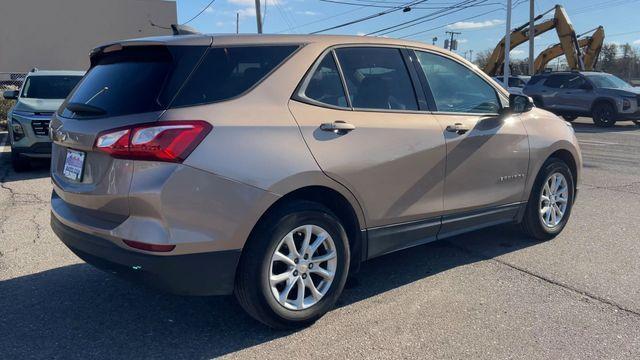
[[590, 45], [553, 52], [592, 50], [519, 35]]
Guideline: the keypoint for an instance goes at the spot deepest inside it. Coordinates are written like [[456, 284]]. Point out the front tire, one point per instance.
[[18, 162], [550, 202], [603, 115], [294, 266]]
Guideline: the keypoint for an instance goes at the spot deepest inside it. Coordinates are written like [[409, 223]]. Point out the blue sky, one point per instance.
[[481, 25]]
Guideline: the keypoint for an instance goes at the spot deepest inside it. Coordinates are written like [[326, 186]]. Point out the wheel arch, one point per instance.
[[348, 213], [567, 157], [604, 100]]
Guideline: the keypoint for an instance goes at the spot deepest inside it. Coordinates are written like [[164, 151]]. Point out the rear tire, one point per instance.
[[535, 223], [569, 118], [19, 163], [274, 299], [603, 115]]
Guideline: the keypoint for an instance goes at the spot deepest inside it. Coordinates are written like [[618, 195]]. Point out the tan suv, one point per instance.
[[273, 166]]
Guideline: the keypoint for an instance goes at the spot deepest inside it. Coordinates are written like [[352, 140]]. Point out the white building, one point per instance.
[[58, 34]]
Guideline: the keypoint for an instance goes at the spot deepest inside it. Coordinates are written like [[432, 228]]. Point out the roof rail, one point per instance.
[[183, 30]]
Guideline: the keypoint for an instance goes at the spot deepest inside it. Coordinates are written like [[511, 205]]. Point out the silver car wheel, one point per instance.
[[554, 200], [303, 267]]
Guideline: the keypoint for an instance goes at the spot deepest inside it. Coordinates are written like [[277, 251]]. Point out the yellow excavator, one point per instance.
[[590, 46], [519, 35]]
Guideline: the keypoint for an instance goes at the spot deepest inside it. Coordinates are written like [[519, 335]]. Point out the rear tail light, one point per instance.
[[170, 141], [149, 247]]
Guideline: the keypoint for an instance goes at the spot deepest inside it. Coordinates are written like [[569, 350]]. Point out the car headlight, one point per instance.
[[626, 103], [17, 131]]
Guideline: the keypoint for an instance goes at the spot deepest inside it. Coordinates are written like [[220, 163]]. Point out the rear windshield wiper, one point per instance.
[[85, 109]]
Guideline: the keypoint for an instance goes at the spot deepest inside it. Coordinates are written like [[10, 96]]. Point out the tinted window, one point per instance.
[[135, 80], [228, 72], [608, 81], [377, 78], [572, 82], [556, 81], [535, 79], [516, 82], [456, 88], [325, 85], [49, 87]]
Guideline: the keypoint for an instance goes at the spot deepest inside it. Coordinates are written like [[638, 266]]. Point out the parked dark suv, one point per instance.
[[604, 97]]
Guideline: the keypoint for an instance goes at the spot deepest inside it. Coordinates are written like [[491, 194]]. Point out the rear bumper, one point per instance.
[[200, 274]]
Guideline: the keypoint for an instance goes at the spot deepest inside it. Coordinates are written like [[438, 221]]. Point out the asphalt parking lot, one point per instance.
[[490, 294]]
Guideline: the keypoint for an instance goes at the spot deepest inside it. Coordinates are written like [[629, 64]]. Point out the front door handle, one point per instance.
[[338, 127], [457, 128]]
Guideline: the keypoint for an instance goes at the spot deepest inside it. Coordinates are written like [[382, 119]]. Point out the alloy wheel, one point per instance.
[[554, 200], [302, 268]]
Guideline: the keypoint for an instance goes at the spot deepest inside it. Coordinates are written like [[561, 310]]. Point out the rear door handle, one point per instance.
[[338, 127], [457, 128]]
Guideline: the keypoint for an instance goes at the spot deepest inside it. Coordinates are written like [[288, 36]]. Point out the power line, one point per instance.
[[451, 23], [432, 16], [445, 25], [388, 6], [200, 13], [369, 17], [323, 19]]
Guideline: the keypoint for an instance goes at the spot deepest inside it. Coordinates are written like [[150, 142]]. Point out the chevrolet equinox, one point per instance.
[[271, 167]]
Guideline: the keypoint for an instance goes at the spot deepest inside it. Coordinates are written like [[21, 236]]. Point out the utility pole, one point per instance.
[[451, 44], [258, 17], [237, 22], [531, 34], [506, 73], [471, 55]]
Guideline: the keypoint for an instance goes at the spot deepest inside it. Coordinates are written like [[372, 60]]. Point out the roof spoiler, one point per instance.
[[183, 30]]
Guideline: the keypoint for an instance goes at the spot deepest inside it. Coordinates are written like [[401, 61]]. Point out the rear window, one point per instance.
[[49, 87], [134, 80], [227, 72], [535, 79]]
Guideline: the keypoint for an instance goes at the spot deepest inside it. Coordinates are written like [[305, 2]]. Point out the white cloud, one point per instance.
[[309, 13], [636, 42], [517, 52], [360, 33], [466, 25], [209, 10], [463, 41], [248, 12], [220, 24]]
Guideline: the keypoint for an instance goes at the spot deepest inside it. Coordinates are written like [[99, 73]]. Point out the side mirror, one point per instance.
[[519, 103], [10, 94]]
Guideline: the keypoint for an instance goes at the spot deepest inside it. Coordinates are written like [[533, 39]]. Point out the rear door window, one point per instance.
[[556, 81], [136, 79], [377, 78], [325, 85], [227, 72]]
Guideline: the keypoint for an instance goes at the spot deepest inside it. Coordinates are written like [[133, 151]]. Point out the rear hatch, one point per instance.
[[128, 84]]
